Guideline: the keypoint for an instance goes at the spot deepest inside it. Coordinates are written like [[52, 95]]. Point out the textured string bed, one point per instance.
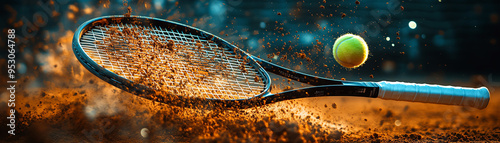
[[176, 62]]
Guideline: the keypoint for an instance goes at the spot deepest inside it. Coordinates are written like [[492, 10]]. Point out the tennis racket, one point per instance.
[[181, 65]]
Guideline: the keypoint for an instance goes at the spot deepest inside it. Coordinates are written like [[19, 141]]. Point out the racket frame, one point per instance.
[[147, 92]]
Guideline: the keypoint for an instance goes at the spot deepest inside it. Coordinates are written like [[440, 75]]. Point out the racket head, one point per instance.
[[88, 58]]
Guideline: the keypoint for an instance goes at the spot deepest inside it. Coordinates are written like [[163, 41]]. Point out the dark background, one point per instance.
[[455, 41]]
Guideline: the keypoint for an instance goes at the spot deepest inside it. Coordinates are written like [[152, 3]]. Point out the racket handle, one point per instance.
[[428, 93]]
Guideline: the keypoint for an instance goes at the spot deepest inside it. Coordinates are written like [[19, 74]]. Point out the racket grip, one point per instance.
[[428, 93]]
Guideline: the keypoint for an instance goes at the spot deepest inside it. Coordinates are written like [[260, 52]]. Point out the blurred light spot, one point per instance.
[[494, 18], [21, 68], [441, 32], [71, 16], [397, 123], [87, 10], [306, 38], [478, 9], [423, 36], [439, 40], [253, 43], [393, 44], [411, 66], [412, 24], [323, 23], [158, 4], [275, 57], [413, 49], [388, 38], [217, 8], [73, 8], [388, 66], [262, 25]]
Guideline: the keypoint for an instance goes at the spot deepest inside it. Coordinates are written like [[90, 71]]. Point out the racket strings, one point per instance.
[[173, 61]]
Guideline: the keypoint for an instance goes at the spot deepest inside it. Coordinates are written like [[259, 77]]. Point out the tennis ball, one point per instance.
[[350, 51]]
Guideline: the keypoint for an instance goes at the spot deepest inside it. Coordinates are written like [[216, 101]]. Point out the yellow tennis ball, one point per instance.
[[350, 51]]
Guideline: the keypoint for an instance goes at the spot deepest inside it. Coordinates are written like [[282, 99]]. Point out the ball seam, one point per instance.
[[337, 48]]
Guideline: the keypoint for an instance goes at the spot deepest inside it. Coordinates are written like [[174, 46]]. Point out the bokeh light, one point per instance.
[[412, 24]]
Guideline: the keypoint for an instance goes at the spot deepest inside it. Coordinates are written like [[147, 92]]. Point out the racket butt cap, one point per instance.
[[483, 97]]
